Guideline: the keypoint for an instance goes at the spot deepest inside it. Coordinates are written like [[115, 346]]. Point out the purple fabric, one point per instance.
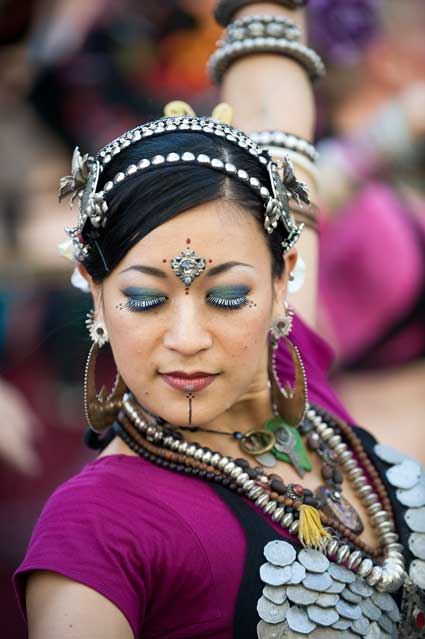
[[163, 547], [371, 273]]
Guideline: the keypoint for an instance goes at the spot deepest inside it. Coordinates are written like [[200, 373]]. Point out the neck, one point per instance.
[[249, 412]]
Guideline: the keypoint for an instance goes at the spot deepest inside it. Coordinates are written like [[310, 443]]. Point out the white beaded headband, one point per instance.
[[93, 204]]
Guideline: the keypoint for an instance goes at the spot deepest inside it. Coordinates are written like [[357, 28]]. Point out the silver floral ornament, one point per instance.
[[76, 182], [97, 329]]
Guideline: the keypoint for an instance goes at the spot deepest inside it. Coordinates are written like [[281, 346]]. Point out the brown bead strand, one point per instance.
[[182, 459], [169, 455]]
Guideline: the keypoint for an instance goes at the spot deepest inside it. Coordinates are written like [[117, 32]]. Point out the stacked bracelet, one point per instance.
[[287, 141], [262, 26], [221, 60], [226, 9]]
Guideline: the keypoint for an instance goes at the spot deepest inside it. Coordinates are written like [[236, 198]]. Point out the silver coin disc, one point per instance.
[[326, 600], [313, 560], [347, 610], [297, 573], [417, 572], [317, 581], [404, 475], [299, 621], [417, 545], [276, 594], [300, 595], [369, 609], [322, 616], [415, 519], [340, 573], [275, 576], [270, 612], [280, 553]]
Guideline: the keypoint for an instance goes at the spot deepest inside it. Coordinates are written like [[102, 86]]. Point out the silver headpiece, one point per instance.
[[94, 204]]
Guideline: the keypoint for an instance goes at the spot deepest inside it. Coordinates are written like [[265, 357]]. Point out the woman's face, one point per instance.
[[189, 353]]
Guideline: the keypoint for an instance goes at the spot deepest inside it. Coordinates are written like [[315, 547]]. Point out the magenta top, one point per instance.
[[162, 546]]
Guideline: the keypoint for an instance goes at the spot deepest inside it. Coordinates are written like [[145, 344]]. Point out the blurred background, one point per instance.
[[73, 72]]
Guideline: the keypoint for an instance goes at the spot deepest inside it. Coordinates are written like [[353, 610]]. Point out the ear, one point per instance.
[[96, 290], [280, 284]]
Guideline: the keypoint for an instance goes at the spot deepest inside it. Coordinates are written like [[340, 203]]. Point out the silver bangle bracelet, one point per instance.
[[287, 141], [221, 59], [262, 25]]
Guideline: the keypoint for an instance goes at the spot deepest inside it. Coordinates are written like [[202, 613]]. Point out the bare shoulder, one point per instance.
[[60, 607]]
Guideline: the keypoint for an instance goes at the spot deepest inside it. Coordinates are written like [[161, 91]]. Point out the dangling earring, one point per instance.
[[101, 408], [291, 402], [97, 329]]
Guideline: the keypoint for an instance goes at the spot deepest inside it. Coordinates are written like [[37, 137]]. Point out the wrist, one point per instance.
[[229, 10], [271, 8]]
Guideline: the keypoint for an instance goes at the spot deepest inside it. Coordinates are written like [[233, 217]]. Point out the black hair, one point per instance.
[[149, 198]]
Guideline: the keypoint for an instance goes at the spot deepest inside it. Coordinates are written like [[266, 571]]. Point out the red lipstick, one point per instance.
[[188, 382]]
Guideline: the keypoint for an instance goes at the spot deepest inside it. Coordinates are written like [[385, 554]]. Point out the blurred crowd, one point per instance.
[[74, 72]]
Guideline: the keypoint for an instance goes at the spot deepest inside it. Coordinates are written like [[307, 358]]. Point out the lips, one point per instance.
[[188, 382]]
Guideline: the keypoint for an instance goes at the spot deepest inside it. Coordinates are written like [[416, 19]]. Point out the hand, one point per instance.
[[19, 424]]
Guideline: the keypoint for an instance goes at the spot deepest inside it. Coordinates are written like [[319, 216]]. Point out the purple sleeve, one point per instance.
[[85, 534]]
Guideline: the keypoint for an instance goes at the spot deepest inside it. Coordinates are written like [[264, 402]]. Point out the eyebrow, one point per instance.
[[157, 272]]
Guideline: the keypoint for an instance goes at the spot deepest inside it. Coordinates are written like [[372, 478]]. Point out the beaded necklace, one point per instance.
[[382, 567]]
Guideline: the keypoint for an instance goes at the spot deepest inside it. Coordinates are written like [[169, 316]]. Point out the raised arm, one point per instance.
[[273, 92]]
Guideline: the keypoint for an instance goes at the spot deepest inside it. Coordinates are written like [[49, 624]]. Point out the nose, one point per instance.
[[187, 333]]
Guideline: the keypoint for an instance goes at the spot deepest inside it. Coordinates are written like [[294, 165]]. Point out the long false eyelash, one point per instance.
[[227, 303], [144, 305]]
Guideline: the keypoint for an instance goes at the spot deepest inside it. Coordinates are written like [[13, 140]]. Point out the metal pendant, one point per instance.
[[412, 622], [268, 460], [339, 507], [257, 442], [289, 446]]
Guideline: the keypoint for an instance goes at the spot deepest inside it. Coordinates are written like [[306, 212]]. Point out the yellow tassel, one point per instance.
[[310, 530], [178, 108], [223, 112]]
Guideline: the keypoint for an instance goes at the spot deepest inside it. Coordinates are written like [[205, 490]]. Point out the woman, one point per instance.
[[186, 240]]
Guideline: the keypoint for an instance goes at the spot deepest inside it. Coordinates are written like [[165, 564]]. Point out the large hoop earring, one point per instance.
[[101, 408], [291, 401]]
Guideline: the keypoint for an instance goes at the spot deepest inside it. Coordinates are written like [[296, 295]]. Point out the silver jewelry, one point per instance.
[[225, 55], [385, 576], [262, 25], [299, 160], [94, 205], [188, 266], [407, 476], [97, 329], [282, 326], [287, 141]]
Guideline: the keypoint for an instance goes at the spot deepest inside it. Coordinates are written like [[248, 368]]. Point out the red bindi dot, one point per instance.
[[164, 261], [209, 261], [188, 240]]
